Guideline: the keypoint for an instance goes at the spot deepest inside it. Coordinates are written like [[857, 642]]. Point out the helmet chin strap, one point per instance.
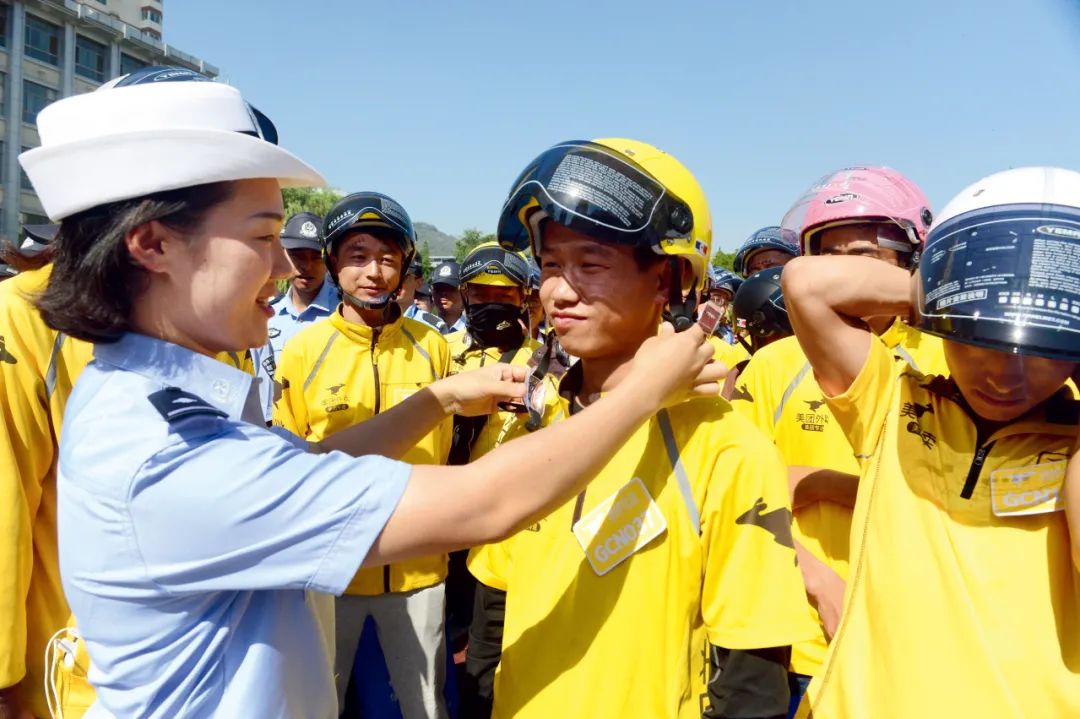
[[680, 310], [390, 309], [360, 304]]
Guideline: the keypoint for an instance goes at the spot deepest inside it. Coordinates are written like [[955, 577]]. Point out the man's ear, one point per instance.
[[663, 281], [331, 266], [153, 246]]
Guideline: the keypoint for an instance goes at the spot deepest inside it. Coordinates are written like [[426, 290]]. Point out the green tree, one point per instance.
[[724, 259], [470, 238], [425, 258], [309, 199]]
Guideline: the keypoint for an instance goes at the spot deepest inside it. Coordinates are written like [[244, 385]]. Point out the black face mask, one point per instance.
[[496, 324]]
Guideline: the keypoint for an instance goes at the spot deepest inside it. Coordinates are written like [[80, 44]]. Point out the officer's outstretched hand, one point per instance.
[[479, 391], [673, 367]]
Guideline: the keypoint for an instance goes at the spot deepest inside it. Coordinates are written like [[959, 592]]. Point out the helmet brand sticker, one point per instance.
[[843, 197], [1058, 231]]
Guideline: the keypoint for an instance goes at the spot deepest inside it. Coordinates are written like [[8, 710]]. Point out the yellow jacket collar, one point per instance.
[[362, 333]]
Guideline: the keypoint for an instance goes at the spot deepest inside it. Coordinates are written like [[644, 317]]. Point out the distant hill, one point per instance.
[[439, 242]]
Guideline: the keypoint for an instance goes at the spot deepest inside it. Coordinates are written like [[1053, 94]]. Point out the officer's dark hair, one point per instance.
[[95, 283]]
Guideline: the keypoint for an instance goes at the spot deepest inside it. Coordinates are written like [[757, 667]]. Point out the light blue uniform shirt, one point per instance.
[[282, 327], [458, 326], [188, 538], [413, 312]]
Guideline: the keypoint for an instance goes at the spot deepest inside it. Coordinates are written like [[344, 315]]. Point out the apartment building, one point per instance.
[[55, 48]]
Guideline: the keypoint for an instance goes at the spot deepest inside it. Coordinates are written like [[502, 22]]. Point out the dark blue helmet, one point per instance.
[[723, 279], [164, 73], [767, 238], [534, 275]]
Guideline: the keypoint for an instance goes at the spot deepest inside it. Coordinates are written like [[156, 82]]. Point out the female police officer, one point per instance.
[[186, 534]]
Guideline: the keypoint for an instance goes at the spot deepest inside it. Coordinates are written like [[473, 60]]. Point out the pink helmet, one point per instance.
[[855, 195]]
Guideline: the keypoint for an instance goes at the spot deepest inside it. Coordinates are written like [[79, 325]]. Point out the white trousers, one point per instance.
[[410, 626]]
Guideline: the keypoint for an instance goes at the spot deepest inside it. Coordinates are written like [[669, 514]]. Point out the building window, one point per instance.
[[5, 21], [30, 218], [35, 98], [91, 59], [129, 64], [3, 93], [43, 40], [152, 33], [24, 181], [3, 163], [149, 13]]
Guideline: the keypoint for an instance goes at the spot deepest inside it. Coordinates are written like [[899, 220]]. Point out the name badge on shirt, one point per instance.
[[1028, 490], [619, 526]]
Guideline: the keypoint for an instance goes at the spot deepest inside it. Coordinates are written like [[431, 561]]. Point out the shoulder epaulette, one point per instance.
[[433, 320], [174, 403]]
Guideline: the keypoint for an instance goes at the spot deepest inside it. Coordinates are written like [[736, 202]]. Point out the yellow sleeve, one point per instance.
[[490, 564], [290, 409], [27, 452], [752, 397], [753, 593], [441, 358], [728, 355], [861, 411]]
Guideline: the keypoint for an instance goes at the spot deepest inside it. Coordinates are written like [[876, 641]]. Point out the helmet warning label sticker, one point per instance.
[[603, 186]]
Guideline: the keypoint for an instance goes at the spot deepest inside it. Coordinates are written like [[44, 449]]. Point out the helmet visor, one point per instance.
[[591, 189], [1005, 278], [495, 262]]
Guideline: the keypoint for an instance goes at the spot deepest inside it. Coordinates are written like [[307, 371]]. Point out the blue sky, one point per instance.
[[441, 104]]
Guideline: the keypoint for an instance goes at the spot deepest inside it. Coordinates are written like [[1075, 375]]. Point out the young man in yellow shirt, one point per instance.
[[758, 308], [616, 602], [494, 290], [364, 359], [961, 599], [38, 368], [777, 391]]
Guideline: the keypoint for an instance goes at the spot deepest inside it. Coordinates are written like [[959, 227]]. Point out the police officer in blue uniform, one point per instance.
[[410, 287], [190, 535], [446, 292], [310, 297]]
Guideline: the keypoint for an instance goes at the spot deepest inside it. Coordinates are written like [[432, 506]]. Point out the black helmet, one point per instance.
[[760, 303], [369, 209]]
